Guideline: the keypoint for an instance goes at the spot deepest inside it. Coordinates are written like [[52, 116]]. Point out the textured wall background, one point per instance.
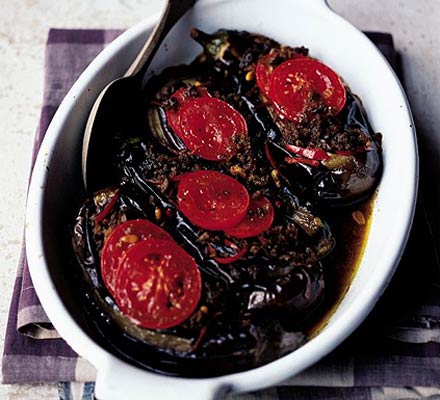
[[23, 28]]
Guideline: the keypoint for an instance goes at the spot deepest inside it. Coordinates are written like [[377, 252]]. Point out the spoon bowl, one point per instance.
[[120, 101]]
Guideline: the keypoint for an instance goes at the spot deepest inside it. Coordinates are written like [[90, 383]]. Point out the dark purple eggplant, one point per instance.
[[234, 53], [260, 304]]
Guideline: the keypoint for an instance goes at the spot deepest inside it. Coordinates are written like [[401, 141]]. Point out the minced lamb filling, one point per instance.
[[268, 274]]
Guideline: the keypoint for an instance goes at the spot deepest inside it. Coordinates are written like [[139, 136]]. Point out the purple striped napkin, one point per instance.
[[394, 354]]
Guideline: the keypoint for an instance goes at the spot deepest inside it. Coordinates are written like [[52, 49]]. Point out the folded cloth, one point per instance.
[[394, 354], [26, 358]]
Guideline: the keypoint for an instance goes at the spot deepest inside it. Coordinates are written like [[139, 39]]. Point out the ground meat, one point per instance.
[[257, 291], [319, 129]]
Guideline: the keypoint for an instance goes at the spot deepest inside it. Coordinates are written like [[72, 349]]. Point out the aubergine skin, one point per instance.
[[233, 54], [240, 322], [257, 308]]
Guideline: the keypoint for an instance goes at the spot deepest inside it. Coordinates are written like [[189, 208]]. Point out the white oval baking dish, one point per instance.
[[56, 180]]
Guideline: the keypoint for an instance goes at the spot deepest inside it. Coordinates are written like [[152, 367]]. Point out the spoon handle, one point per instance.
[[174, 9]]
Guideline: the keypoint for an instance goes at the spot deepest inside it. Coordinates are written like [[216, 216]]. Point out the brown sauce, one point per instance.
[[343, 267]]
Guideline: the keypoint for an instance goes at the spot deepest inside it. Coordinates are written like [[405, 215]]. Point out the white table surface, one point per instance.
[[23, 29]]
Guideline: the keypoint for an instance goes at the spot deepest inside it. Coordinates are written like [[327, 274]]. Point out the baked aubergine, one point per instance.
[[238, 204]]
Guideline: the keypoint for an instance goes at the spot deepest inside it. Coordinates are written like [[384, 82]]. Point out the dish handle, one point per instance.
[[117, 380]]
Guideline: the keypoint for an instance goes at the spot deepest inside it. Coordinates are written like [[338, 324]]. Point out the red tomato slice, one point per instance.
[[173, 115], [212, 200], [258, 219], [208, 126], [181, 96], [265, 68], [173, 119], [158, 284], [120, 240], [292, 82], [263, 72]]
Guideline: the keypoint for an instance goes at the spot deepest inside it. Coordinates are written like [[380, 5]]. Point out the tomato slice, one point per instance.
[[263, 72], [292, 82], [158, 284], [173, 115], [120, 240], [259, 218], [212, 200], [180, 96], [265, 68], [208, 127]]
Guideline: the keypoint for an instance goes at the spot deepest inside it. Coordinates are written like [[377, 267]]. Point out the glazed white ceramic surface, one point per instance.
[[56, 180]]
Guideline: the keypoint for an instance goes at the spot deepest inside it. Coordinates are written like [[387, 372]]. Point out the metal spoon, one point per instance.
[[119, 98]]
